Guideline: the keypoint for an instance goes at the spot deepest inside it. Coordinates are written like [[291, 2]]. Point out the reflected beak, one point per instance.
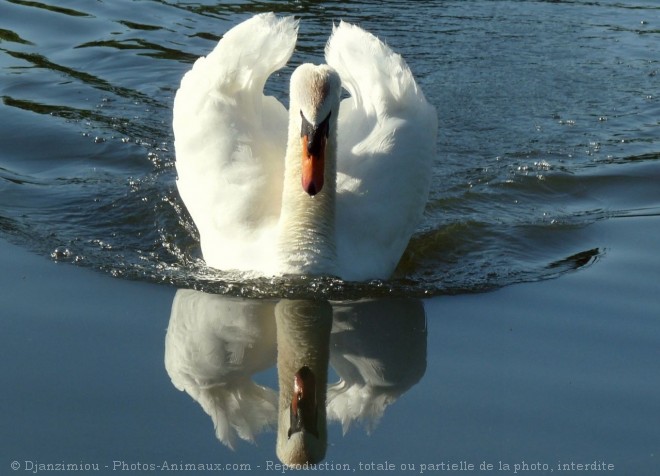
[[314, 139], [303, 412]]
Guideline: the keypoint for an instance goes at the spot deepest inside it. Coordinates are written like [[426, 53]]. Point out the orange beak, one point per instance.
[[313, 164], [314, 139]]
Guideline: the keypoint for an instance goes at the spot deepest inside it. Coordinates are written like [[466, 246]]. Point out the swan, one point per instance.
[[331, 187]]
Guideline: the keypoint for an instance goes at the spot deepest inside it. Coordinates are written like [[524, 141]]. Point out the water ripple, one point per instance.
[[545, 128]]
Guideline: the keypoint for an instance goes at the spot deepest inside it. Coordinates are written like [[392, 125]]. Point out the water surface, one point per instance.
[[538, 244], [548, 118]]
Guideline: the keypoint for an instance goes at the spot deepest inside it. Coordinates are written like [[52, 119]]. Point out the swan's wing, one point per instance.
[[386, 147], [230, 142]]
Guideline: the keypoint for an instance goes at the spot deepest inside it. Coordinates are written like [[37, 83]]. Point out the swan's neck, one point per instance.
[[303, 340], [306, 241]]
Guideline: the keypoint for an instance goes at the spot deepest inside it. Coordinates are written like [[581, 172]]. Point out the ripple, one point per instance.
[[531, 153]]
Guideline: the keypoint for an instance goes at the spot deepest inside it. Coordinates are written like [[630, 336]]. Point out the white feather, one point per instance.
[[386, 141], [231, 143]]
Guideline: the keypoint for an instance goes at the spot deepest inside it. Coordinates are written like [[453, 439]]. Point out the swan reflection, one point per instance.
[[216, 344], [213, 347], [379, 352]]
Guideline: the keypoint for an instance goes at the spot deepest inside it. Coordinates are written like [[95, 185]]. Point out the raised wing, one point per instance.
[[230, 141], [386, 147]]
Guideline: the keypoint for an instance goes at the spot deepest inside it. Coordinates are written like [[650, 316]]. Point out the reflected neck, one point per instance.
[[303, 340]]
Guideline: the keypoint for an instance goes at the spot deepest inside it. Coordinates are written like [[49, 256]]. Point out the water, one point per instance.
[[542, 107], [548, 167]]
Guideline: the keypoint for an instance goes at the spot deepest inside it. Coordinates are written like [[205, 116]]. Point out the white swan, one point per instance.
[[341, 192]]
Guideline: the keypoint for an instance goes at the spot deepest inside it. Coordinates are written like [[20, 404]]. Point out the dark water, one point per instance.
[[545, 194], [548, 122]]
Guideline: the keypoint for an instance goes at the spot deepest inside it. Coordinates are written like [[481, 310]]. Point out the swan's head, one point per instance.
[[305, 440], [315, 95]]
